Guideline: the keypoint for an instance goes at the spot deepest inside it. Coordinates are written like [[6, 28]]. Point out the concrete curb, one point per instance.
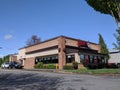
[[49, 70], [63, 72]]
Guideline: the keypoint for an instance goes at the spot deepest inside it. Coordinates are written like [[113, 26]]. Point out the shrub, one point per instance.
[[39, 65], [50, 66], [75, 65], [68, 67]]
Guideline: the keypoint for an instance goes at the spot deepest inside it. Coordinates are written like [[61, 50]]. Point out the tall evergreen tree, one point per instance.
[[103, 48], [117, 37]]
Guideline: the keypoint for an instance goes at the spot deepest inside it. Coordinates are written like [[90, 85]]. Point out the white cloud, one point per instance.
[[8, 36]]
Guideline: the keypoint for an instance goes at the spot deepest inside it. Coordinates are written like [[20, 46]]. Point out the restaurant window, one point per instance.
[[103, 60], [91, 59], [82, 58], [36, 60], [47, 59], [70, 58], [86, 59], [98, 59], [95, 59]]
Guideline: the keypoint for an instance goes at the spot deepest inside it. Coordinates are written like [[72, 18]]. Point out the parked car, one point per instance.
[[5, 65], [15, 65]]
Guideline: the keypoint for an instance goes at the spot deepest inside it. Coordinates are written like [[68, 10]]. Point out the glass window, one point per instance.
[[91, 58], [47, 59], [56, 57], [102, 58], [82, 58], [36, 59], [95, 59], [99, 59], [69, 59], [86, 57], [68, 56]]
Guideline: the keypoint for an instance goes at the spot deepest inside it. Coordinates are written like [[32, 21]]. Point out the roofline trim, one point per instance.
[[56, 38]]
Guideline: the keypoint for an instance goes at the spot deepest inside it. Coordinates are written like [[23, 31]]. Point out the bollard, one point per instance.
[[56, 66]]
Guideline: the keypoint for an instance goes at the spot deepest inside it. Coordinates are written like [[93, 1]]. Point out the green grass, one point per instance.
[[95, 71]]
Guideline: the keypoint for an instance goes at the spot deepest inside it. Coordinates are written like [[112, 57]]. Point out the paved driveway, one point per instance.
[[34, 80]]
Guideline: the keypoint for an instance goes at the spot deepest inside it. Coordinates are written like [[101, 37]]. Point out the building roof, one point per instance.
[[114, 51], [56, 38]]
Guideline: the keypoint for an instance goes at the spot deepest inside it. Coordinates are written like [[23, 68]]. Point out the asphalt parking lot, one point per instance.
[[36, 80]]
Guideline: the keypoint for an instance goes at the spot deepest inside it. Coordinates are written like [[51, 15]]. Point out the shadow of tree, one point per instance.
[[27, 82]]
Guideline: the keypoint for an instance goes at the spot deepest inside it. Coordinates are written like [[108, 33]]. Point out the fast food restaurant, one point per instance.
[[60, 50]]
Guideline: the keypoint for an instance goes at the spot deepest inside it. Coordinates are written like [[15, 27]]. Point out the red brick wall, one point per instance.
[[29, 63], [95, 47], [13, 58], [46, 44], [74, 43], [61, 52]]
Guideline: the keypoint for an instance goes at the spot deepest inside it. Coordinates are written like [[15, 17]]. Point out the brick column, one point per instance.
[[61, 53], [29, 63]]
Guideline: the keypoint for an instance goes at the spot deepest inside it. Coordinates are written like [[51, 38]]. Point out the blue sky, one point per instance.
[[20, 19]]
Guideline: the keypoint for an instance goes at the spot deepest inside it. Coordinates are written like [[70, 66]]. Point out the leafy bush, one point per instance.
[[39, 65], [75, 65], [68, 67], [50, 66]]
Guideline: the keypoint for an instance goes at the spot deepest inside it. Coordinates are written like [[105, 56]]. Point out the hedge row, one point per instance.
[[40, 65], [68, 67]]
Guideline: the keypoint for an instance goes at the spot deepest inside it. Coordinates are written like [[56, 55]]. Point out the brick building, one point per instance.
[[60, 50]]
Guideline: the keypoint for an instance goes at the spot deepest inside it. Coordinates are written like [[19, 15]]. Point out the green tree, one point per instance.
[[1, 61], [103, 48], [111, 7], [6, 58], [117, 37]]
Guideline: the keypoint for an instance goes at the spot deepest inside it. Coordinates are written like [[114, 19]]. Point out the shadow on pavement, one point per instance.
[[27, 82]]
